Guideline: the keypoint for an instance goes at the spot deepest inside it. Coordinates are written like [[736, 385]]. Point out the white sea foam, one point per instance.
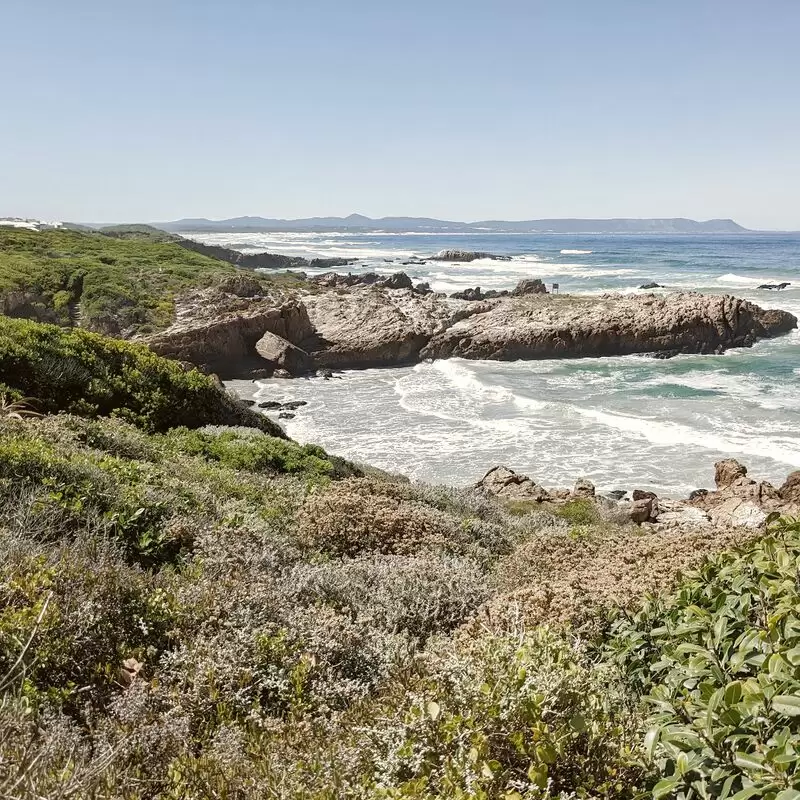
[[669, 434], [576, 252]]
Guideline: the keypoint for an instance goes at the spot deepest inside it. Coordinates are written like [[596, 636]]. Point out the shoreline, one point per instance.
[[344, 322]]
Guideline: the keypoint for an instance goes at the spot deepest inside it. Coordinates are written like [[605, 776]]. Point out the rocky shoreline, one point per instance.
[[237, 329], [738, 501]]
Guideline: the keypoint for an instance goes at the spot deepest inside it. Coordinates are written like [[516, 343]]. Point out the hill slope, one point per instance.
[[358, 222], [109, 284]]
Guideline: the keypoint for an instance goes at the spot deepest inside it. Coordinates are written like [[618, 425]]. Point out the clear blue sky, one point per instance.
[[148, 110]]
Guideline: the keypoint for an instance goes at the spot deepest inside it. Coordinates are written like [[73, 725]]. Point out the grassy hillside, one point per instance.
[[111, 284]]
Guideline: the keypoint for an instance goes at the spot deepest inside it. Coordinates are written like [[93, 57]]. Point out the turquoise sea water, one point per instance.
[[622, 422]]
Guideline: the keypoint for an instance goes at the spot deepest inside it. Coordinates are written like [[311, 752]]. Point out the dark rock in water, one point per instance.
[[388, 260], [286, 415], [778, 286], [270, 405], [529, 286], [697, 494], [397, 281], [327, 374], [616, 494], [652, 286], [423, 288], [328, 263], [641, 494], [466, 255], [664, 354], [468, 294], [281, 373], [293, 405]]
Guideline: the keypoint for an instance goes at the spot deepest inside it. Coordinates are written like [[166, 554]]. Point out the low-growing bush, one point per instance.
[[359, 516], [91, 375], [252, 453], [508, 716]]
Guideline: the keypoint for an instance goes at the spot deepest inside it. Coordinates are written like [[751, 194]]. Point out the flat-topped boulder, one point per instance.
[[568, 326]]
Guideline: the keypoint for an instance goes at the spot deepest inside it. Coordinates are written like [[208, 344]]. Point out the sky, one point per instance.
[[115, 111]]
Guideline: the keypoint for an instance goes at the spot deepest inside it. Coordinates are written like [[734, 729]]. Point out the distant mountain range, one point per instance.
[[357, 222]]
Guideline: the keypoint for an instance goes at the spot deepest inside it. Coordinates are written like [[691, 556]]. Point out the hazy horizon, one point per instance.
[[456, 111]]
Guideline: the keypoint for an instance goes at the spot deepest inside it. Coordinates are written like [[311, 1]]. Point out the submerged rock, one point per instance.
[[652, 285], [778, 286]]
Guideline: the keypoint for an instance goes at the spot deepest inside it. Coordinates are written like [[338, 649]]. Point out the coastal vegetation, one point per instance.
[[111, 283], [85, 373], [221, 612], [194, 606]]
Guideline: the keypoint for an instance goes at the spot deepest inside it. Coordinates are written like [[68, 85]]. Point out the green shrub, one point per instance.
[[578, 512], [88, 374], [252, 453], [719, 665], [509, 717]]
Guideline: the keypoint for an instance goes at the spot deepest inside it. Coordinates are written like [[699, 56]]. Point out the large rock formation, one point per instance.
[[226, 344], [371, 327], [344, 323], [551, 326]]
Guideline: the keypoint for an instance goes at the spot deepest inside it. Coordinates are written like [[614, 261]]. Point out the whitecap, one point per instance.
[[576, 252], [669, 434], [738, 280]]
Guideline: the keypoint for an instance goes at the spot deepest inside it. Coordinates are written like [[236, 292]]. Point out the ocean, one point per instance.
[[629, 422]]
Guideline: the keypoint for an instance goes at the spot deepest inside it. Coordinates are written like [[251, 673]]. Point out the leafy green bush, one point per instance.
[[511, 717], [578, 512], [252, 453], [89, 374], [719, 665]]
